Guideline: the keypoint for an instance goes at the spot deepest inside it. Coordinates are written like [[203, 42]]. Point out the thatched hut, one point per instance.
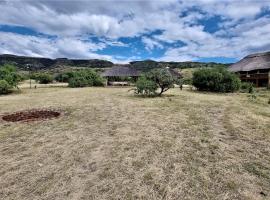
[[175, 73], [123, 74], [254, 68], [119, 75]]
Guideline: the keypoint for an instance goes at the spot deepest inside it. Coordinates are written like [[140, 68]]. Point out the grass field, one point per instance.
[[110, 144]]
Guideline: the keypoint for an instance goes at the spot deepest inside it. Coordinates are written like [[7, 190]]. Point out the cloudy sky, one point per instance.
[[121, 31]]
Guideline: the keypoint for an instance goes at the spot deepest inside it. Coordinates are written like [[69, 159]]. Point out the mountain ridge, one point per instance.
[[43, 63]]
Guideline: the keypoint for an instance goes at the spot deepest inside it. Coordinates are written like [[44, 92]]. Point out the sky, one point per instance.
[[127, 30]]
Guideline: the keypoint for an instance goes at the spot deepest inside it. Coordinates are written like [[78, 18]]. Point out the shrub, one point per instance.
[[162, 78], [145, 87], [247, 87], [4, 87], [187, 81], [84, 78], [64, 77], [78, 81], [215, 80], [43, 78], [253, 96], [155, 79], [9, 74]]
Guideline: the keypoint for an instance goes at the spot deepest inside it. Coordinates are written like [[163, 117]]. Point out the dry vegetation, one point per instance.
[[26, 84], [113, 145]]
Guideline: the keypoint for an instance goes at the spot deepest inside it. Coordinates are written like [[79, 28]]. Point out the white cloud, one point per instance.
[[11, 43], [241, 31], [102, 18], [150, 44], [253, 39], [230, 8]]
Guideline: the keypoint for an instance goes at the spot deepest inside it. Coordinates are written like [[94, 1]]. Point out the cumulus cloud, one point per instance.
[[232, 9], [11, 43], [243, 27], [150, 43]]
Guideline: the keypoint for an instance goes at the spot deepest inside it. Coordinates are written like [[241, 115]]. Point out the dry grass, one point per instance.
[[112, 145], [34, 84]]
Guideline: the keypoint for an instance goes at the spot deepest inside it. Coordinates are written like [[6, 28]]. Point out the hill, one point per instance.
[[150, 64], [37, 63]]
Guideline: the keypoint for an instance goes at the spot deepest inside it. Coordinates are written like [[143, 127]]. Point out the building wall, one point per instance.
[[260, 78], [269, 79]]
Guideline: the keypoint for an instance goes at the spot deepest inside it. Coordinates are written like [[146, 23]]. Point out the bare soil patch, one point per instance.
[[31, 115]]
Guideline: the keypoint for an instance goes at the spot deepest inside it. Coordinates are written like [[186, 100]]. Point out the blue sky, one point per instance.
[[123, 31]]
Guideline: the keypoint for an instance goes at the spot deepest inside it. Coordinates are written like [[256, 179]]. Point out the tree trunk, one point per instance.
[[162, 90]]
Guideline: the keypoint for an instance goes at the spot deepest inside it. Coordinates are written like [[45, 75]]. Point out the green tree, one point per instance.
[[155, 82], [9, 74], [43, 78], [145, 87], [4, 87], [163, 78], [64, 76], [84, 78], [216, 80], [247, 87]]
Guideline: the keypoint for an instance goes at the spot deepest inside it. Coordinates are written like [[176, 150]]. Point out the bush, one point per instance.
[[162, 78], [247, 87], [43, 78], [78, 81], [187, 81], [64, 77], [84, 78], [145, 87], [155, 79], [216, 80], [4, 87], [9, 74]]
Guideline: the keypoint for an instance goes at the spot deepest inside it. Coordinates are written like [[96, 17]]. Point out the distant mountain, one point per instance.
[[150, 64], [36, 63]]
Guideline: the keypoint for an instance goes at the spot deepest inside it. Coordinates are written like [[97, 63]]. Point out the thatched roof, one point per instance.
[[174, 73], [127, 71], [252, 62], [120, 71]]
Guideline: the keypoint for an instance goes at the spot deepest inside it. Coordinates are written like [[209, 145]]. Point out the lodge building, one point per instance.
[[254, 68]]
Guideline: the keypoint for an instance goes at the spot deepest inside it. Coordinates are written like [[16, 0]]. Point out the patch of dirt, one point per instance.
[[31, 115]]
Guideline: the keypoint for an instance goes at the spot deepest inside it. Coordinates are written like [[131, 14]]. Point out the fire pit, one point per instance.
[[31, 115]]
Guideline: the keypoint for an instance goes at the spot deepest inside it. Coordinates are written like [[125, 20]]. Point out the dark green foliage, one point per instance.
[[84, 78], [34, 63], [117, 78], [216, 80], [148, 65], [4, 87], [247, 87], [145, 87], [22, 76], [162, 78], [9, 74], [8, 78], [64, 77], [43, 78], [187, 81], [79, 81], [155, 79]]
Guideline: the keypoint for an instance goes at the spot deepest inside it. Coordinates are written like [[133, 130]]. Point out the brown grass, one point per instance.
[[113, 145]]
